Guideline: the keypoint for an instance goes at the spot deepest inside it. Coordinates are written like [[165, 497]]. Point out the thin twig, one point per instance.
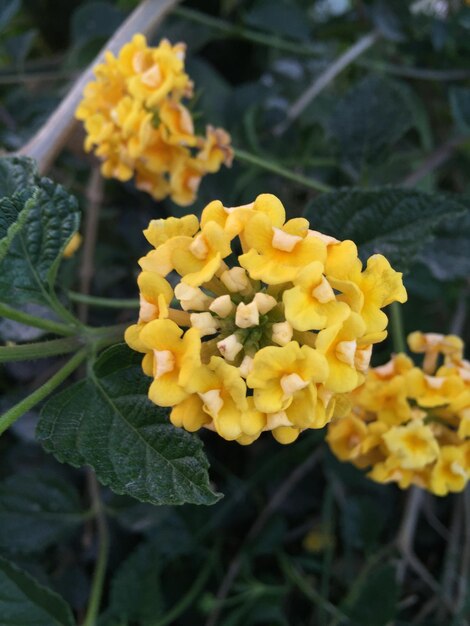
[[47, 143], [229, 29], [407, 530], [458, 320], [325, 79], [40, 77], [465, 563], [103, 551], [94, 197], [449, 575], [404, 543], [419, 73], [437, 158], [273, 504]]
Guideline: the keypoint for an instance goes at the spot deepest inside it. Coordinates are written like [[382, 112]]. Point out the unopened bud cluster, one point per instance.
[[274, 322], [411, 425]]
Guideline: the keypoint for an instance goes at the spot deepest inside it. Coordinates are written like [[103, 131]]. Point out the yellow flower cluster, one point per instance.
[[137, 125], [411, 425], [280, 320]]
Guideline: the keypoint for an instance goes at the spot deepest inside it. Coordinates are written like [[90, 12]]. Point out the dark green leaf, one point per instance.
[[48, 220], [107, 422], [13, 215], [448, 256], [94, 20], [16, 173], [372, 116], [136, 595], [8, 10], [374, 600], [36, 510], [460, 107], [279, 16], [24, 602], [393, 222]]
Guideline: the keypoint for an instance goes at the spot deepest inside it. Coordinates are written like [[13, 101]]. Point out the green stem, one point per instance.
[[104, 336], [107, 303], [37, 322], [252, 159], [8, 418], [40, 350], [396, 322], [240, 32], [328, 555], [103, 552], [291, 573], [187, 600]]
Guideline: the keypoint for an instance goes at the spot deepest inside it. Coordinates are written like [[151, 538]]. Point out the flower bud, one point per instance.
[[192, 298], [229, 347], [282, 333], [204, 322], [247, 315], [264, 302], [222, 306], [236, 280]]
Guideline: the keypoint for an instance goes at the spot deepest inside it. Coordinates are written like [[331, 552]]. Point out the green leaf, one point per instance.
[[394, 222], [23, 601], [374, 600], [136, 594], [460, 107], [94, 20], [8, 10], [373, 115], [16, 173], [281, 17], [12, 217], [447, 257], [107, 421], [33, 250], [36, 510]]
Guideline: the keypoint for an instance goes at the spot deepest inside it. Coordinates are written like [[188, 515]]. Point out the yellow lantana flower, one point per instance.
[[137, 125], [174, 360], [312, 304], [155, 294], [451, 472], [249, 361], [279, 373], [339, 344], [276, 255], [414, 424], [414, 444]]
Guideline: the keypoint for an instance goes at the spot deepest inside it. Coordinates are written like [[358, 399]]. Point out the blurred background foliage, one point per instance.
[[299, 539]]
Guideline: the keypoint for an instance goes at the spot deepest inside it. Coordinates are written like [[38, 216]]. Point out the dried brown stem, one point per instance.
[[437, 158], [50, 139]]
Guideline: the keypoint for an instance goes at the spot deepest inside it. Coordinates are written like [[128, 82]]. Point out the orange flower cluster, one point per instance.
[[137, 125], [411, 425]]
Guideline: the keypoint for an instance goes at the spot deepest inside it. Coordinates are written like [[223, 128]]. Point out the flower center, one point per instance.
[[199, 247], [291, 383], [148, 311], [284, 241], [346, 351], [164, 362], [434, 382], [212, 402], [152, 77], [323, 292]]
